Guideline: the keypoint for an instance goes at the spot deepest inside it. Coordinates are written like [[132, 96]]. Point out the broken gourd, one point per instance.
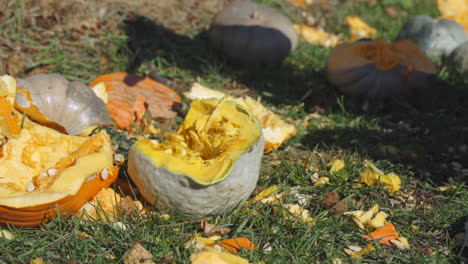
[[46, 173], [210, 165], [53, 101], [379, 69]]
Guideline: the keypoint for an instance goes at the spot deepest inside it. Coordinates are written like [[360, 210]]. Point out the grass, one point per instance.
[[420, 143]]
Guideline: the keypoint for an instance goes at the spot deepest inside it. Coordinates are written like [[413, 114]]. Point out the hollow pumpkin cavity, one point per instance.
[[214, 134]]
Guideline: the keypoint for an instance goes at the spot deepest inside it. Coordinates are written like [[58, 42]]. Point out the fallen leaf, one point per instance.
[[337, 165], [234, 245], [384, 234], [138, 255], [213, 229], [212, 256]]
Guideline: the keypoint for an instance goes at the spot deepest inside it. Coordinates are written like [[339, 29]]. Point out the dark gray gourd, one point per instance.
[[252, 34], [436, 37]]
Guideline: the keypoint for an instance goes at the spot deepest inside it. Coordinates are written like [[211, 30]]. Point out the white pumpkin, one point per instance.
[[209, 166], [436, 37]]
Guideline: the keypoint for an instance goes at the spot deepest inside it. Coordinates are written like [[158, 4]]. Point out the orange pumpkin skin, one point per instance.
[[35, 215], [128, 94]]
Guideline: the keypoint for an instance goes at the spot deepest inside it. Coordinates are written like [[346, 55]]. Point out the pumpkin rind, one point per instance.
[[436, 37], [379, 69], [69, 107], [129, 95], [163, 186], [252, 34]]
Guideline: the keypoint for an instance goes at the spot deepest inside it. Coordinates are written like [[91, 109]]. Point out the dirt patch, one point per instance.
[[84, 30]]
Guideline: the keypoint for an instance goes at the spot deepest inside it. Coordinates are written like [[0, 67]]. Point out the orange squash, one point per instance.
[[129, 94]]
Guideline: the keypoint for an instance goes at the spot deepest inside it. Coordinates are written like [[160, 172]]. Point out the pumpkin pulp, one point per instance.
[[387, 56], [42, 165], [213, 136]]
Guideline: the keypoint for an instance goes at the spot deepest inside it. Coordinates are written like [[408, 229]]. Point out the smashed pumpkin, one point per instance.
[[45, 172], [377, 68], [275, 130], [211, 164], [130, 97], [53, 101]]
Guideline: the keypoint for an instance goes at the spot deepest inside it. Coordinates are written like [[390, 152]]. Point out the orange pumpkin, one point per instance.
[[130, 97]]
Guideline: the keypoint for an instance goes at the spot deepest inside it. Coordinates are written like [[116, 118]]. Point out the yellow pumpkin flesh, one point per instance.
[[44, 172]]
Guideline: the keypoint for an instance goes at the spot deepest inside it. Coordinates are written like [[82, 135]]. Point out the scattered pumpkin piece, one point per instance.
[[129, 94], [275, 130], [198, 242], [101, 92], [321, 181], [369, 248], [264, 194], [337, 165], [365, 218], [234, 245], [316, 36], [212, 256], [384, 234], [359, 28], [6, 234], [373, 175], [36, 261], [298, 212], [401, 243], [104, 205]]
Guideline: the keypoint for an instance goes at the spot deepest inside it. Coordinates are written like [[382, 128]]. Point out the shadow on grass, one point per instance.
[[159, 51]]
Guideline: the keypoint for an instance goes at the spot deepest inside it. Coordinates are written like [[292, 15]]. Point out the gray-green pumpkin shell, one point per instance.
[[436, 37], [72, 105], [252, 34]]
